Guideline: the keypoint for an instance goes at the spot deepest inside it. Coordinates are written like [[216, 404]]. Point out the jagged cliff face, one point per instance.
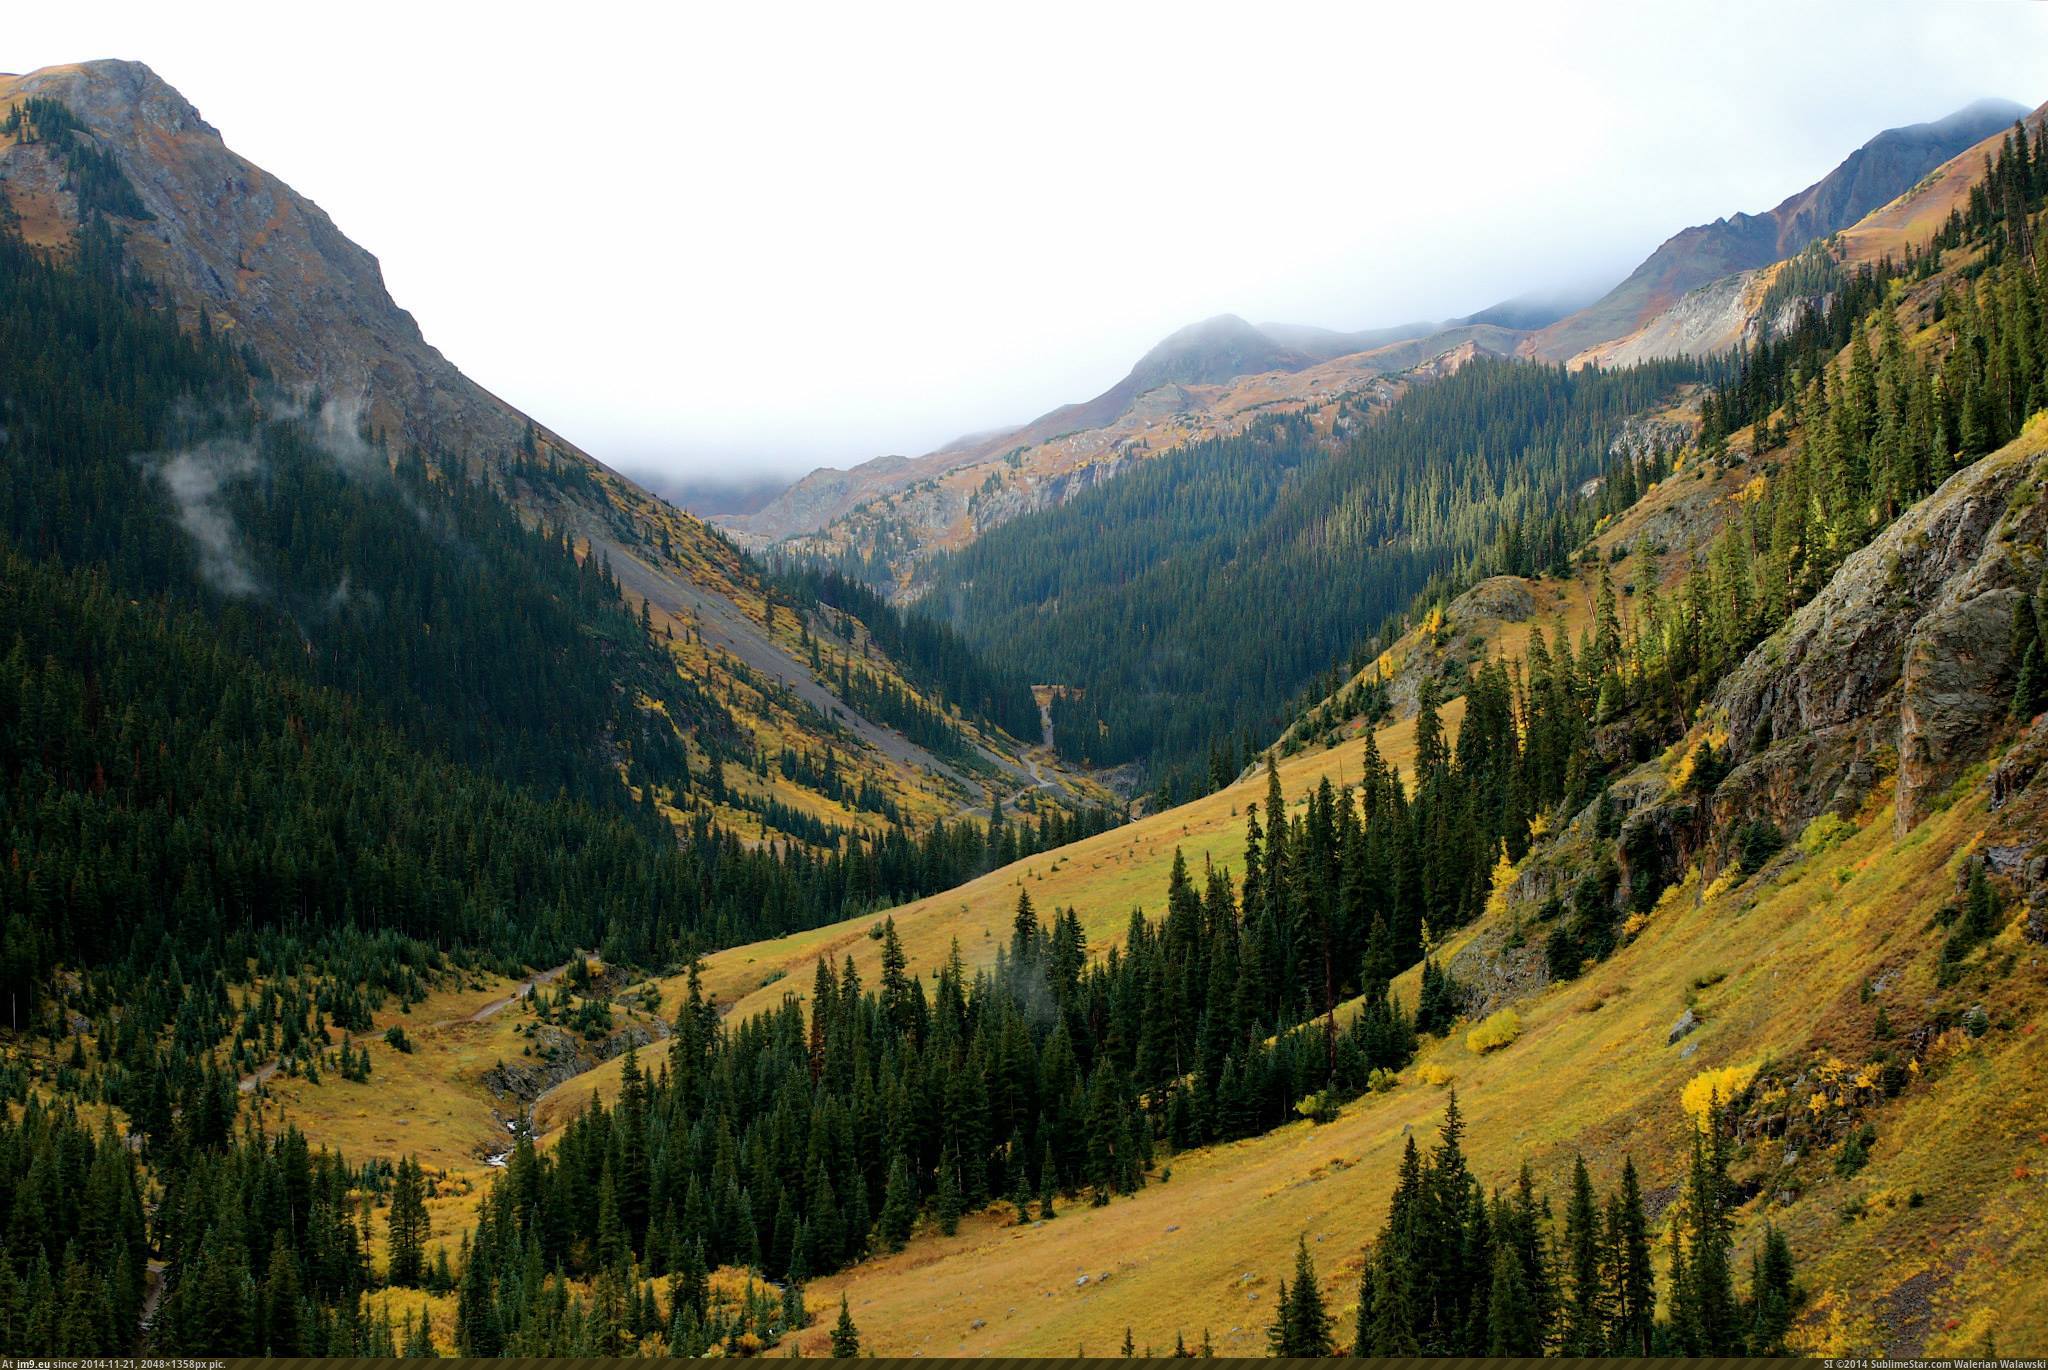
[[1716, 318], [261, 259], [1892, 682], [1901, 668]]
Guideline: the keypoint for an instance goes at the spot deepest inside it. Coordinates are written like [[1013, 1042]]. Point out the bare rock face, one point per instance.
[[1903, 660], [265, 262], [2016, 841], [1957, 683]]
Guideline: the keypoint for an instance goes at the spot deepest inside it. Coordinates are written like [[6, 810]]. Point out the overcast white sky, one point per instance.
[[744, 238]]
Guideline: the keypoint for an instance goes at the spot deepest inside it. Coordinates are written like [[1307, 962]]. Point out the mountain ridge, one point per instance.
[[896, 509], [1868, 178], [233, 249]]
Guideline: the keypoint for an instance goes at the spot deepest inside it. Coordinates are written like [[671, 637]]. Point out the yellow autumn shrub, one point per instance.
[[1496, 1032], [1501, 880], [1823, 832], [1703, 1090]]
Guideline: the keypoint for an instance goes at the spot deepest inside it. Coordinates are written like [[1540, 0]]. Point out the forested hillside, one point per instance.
[[104, 157], [273, 694], [1187, 603]]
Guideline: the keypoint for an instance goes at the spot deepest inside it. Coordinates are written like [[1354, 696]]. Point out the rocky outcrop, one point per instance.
[[1715, 318], [2015, 844], [556, 1056], [1477, 614], [1712, 318], [1642, 437], [1901, 664], [1009, 502]]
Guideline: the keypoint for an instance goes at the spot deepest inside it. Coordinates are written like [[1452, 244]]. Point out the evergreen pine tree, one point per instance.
[[1301, 1324], [1511, 1324], [282, 1333], [899, 1205], [845, 1336], [1633, 1294], [1585, 1325], [409, 1224], [1046, 1185], [419, 1337], [1772, 1296], [946, 1203]]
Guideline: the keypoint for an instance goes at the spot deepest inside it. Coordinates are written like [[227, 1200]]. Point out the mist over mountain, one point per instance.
[[709, 495]]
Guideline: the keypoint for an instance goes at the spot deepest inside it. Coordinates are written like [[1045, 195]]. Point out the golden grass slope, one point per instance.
[[1590, 1072], [1914, 217], [434, 1101]]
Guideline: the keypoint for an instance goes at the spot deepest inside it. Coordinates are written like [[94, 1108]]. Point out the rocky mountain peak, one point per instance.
[[109, 91], [260, 259]]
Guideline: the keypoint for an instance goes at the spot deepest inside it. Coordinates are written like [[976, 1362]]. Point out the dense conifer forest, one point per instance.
[[264, 677], [1190, 600], [792, 1143], [933, 654]]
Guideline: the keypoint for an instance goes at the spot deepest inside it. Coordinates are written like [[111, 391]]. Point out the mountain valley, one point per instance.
[[1515, 835]]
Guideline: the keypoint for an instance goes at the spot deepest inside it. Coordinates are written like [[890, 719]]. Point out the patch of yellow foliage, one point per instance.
[[1503, 877], [1434, 1075], [1496, 1032], [1681, 772], [1710, 1087], [1823, 832], [1836, 1329]]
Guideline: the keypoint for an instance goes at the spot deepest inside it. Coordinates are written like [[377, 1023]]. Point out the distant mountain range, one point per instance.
[[898, 510]]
